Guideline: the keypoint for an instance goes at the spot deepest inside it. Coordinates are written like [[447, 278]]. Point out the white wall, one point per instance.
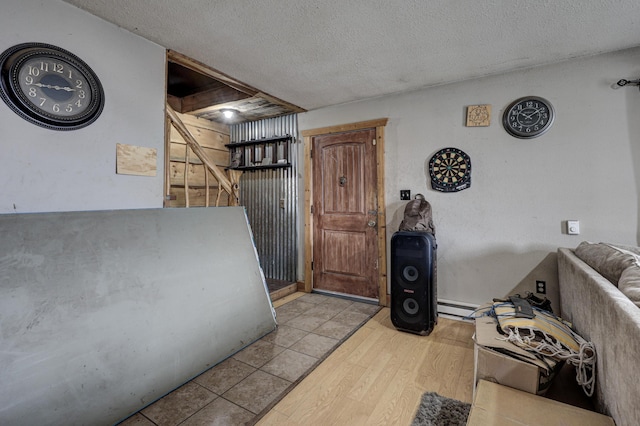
[[493, 235], [48, 170]]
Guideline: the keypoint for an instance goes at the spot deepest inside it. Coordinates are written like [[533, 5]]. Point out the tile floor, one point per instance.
[[237, 390]]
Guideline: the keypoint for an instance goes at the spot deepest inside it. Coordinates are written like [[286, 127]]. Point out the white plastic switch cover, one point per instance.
[[573, 227]]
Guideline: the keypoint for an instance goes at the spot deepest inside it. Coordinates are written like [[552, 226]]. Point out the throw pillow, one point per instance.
[[633, 249], [607, 260], [629, 283]]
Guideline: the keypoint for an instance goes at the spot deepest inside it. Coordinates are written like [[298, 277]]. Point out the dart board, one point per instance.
[[450, 170]]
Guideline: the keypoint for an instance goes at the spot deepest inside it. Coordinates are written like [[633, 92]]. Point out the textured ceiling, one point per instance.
[[319, 53]]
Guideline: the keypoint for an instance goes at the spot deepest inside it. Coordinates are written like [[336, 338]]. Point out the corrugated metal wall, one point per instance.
[[271, 199]]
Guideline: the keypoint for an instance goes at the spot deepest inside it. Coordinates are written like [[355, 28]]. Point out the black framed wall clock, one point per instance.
[[528, 117], [49, 86], [450, 170]]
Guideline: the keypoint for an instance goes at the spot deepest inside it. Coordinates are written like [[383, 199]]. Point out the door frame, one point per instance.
[[379, 126]]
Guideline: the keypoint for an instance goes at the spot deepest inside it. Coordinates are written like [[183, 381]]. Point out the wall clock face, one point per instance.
[[450, 170], [528, 117], [50, 86]]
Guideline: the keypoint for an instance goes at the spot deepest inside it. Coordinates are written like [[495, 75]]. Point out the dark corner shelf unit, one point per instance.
[[249, 155]]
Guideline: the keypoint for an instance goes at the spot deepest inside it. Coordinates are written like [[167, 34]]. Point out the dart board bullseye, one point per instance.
[[450, 170]]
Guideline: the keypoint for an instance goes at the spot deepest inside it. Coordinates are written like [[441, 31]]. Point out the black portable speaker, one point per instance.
[[413, 282]]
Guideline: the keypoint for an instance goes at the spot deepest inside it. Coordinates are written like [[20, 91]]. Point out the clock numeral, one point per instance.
[[34, 71], [43, 101], [44, 66], [59, 68], [56, 108], [78, 84], [32, 92], [78, 103], [69, 108], [29, 80]]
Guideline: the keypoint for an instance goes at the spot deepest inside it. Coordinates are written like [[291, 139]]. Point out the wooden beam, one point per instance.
[[206, 183], [234, 178], [167, 162], [175, 102], [345, 127], [277, 101], [308, 218], [211, 97], [384, 298], [186, 175], [197, 149], [206, 124]]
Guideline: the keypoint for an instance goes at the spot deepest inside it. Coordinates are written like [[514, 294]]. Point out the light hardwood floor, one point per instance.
[[379, 374]]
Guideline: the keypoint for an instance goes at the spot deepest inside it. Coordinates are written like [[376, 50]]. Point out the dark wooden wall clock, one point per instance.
[[50, 86], [450, 170], [528, 117]]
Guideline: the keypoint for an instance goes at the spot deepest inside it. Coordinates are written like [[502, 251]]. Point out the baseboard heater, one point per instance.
[[456, 310]]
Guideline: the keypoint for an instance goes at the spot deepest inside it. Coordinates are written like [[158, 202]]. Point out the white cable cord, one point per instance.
[[584, 361]]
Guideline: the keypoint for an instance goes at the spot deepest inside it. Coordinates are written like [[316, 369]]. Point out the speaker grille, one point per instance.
[[410, 306], [410, 273]]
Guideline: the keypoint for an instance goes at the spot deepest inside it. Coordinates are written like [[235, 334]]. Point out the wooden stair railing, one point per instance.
[[229, 183]]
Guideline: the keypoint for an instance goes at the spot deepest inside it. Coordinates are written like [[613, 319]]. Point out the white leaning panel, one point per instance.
[[103, 312]]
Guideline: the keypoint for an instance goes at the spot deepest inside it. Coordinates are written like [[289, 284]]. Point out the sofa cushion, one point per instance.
[[629, 283], [607, 260], [633, 249]]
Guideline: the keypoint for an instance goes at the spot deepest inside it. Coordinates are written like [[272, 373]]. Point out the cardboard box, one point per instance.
[[495, 404], [500, 361]]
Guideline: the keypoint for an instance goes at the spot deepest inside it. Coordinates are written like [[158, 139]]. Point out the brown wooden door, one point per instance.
[[345, 243]]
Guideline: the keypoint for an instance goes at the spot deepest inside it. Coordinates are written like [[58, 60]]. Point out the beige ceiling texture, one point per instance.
[[325, 52]]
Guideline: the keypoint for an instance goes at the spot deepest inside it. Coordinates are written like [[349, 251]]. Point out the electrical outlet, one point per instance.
[[405, 194], [541, 287]]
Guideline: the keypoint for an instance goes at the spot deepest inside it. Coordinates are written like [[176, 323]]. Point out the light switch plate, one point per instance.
[[573, 227], [405, 194]]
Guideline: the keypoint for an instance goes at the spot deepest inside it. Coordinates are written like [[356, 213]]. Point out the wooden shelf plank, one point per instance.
[[258, 141], [270, 166]]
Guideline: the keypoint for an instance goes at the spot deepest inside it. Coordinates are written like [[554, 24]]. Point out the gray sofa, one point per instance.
[[591, 278]]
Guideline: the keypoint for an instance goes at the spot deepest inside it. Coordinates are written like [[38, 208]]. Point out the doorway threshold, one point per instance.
[[351, 297], [279, 289]]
